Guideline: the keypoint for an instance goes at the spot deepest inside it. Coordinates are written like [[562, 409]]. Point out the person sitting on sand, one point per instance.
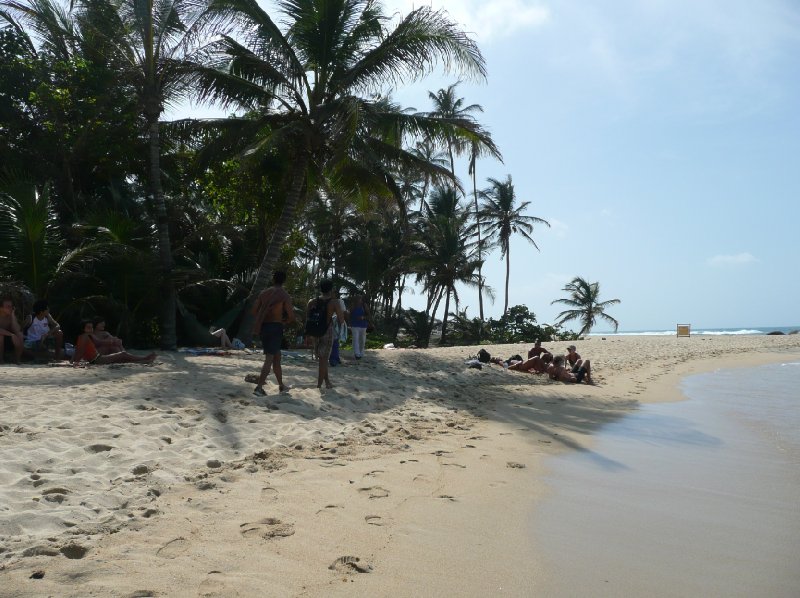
[[558, 371], [85, 349], [43, 331], [537, 349], [104, 341], [10, 333], [573, 358], [536, 365]]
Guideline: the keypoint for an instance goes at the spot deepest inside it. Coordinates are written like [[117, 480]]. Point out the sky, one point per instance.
[[661, 141]]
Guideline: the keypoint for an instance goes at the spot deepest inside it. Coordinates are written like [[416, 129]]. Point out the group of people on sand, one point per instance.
[[569, 368], [40, 333], [273, 310]]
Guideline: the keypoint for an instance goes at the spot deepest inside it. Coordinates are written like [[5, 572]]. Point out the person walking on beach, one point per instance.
[[85, 349], [273, 309], [359, 322], [319, 326], [338, 326], [10, 332]]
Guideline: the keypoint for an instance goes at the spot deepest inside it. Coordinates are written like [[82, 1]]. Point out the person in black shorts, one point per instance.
[[272, 310]]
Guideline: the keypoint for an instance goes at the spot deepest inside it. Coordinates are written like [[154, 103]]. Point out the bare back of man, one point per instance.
[[273, 309], [10, 332]]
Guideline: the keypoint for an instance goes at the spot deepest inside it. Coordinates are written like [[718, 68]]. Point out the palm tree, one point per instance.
[[308, 92], [445, 253], [502, 218], [448, 105], [586, 306], [152, 38]]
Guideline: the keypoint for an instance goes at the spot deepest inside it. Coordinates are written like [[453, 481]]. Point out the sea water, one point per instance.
[[696, 498]]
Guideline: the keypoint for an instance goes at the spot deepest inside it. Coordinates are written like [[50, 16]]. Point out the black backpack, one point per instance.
[[317, 318]]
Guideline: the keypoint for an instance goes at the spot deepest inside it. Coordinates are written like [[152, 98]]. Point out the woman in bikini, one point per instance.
[[86, 350]]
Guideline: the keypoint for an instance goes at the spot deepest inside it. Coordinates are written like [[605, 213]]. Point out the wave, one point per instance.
[[699, 332]]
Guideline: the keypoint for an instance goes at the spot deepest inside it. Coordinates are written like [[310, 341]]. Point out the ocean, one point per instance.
[[695, 498], [699, 330]]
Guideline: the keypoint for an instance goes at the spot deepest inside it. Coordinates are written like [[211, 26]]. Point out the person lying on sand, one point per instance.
[[535, 365], [558, 371], [85, 349]]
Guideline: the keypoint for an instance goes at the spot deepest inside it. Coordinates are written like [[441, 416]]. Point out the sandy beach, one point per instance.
[[412, 477]]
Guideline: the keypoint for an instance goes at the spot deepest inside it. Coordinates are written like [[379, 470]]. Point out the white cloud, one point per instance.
[[740, 259], [485, 20]]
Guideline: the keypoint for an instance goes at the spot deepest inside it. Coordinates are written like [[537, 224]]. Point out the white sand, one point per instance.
[[173, 480]]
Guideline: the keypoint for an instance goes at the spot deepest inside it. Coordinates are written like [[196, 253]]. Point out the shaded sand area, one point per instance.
[[413, 477]]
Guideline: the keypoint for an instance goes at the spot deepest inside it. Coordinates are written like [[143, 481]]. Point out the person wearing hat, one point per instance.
[[573, 358]]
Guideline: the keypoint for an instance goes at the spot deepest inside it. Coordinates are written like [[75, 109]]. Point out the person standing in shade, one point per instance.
[[337, 332], [359, 322], [10, 331], [320, 312], [272, 310]]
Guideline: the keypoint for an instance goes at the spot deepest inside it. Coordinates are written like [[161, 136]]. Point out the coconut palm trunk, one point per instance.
[[166, 288], [508, 275], [279, 235], [473, 171]]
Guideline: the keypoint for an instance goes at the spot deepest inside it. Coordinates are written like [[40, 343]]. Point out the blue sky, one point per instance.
[[660, 139]]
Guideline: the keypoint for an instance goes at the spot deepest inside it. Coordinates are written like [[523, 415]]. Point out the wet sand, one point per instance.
[[697, 498]]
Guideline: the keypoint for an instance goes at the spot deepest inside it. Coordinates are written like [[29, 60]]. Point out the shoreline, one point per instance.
[[419, 468]]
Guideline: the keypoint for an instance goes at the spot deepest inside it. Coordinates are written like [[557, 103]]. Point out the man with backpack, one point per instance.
[[319, 327], [272, 310]]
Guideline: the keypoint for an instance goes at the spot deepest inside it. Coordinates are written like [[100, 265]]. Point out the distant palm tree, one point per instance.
[[445, 253], [447, 105], [502, 218], [585, 300]]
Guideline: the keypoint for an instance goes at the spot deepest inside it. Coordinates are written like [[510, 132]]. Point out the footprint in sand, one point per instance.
[[174, 548], [375, 492], [215, 586], [447, 497], [329, 508], [267, 529], [515, 465], [374, 520], [269, 493], [350, 564]]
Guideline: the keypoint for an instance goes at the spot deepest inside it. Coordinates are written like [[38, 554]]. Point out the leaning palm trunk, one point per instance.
[[282, 228], [508, 274], [480, 249], [443, 339], [167, 320]]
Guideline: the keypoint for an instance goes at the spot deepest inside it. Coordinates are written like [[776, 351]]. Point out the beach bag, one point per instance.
[[484, 356], [317, 318]]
